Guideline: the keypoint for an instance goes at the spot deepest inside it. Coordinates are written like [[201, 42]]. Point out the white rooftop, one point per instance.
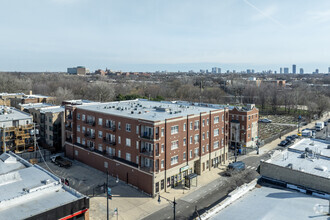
[[28, 190], [147, 110], [35, 96], [11, 94], [35, 105], [312, 164], [10, 113], [313, 144], [52, 109], [271, 203]]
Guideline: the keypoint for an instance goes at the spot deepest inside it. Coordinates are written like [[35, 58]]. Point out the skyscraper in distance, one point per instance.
[[294, 68], [286, 70], [301, 71], [281, 70]]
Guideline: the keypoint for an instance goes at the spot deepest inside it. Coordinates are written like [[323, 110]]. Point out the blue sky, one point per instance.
[[150, 35]]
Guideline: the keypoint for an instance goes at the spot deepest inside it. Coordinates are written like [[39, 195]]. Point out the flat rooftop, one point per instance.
[[28, 190], [272, 203], [312, 163], [11, 94], [316, 145], [52, 109], [146, 110], [10, 113], [35, 96], [35, 105]]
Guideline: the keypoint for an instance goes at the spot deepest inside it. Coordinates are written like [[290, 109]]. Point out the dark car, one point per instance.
[[288, 138], [294, 136], [283, 143], [325, 123], [234, 168]]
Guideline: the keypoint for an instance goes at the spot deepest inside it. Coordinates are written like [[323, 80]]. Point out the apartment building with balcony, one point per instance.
[[151, 145], [15, 130], [243, 126]]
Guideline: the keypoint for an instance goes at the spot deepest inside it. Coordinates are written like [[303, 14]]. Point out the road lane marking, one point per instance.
[[248, 167], [187, 206]]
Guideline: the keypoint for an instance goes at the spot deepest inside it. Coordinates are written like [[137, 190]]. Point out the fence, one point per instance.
[[276, 136], [36, 155], [98, 190]]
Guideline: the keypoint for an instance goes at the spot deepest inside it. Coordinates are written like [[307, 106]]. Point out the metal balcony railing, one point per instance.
[[108, 141], [110, 127], [145, 151]]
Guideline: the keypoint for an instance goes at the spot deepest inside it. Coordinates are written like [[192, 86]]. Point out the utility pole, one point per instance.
[[34, 137], [4, 138]]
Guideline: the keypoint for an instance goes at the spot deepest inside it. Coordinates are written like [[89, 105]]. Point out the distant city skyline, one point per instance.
[[128, 35]]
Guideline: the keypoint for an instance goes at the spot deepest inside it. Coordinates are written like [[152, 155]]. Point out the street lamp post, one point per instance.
[[170, 201]]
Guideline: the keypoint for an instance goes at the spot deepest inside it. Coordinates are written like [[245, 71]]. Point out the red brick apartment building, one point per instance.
[[243, 126], [150, 145]]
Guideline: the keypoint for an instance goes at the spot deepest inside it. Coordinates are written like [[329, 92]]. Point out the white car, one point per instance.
[[265, 120]]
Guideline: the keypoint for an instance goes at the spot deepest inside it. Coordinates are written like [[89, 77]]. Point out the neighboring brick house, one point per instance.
[[243, 126], [151, 145]]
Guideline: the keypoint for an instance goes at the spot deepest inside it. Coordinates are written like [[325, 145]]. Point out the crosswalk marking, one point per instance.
[[248, 167]]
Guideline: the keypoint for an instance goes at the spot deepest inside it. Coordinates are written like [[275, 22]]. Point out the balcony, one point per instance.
[[90, 122], [68, 139], [147, 169], [147, 136], [108, 141], [90, 135], [110, 127], [147, 152]]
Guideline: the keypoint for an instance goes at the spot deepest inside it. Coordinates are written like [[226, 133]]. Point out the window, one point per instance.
[[223, 117], [196, 138], [249, 126], [78, 128], [184, 155], [203, 122], [137, 145], [242, 127], [222, 142], [184, 127], [100, 134], [207, 134], [175, 129], [242, 118], [157, 187], [248, 135], [50, 119], [137, 129], [190, 141], [222, 130], [203, 149], [128, 156], [119, 140], [196, 125], [83, 129], [137, 159], [119, 153], [174, 160], [249, 118], [216, 145], [184, 141], [190, 154], [162, 185], [119, 125], [216, 132], [207, 147], [76, 153], [162, 148], [50, 128], [203, 136], [78, 140], [100, 148], [100, 121], [174, 145], [207, 121], [128, 142], [105, 164], [83, 117], [83, 141], [162, 164], [196, 152], [162, 131], [128, 127], [216, 120], [191, 125], [78, 116]]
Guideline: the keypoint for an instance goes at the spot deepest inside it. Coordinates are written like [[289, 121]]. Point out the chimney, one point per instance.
[[30, 92]]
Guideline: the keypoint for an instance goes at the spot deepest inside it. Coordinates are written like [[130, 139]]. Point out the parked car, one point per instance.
[[283, 143], [60, 161], [325, 123], [295, 136], [265, 120], [234, 168]]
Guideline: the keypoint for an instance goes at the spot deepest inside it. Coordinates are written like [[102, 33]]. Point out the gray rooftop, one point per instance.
[[11, 94], [271, 203], [146, 110], [10, 113], [312, 163], [35, 96], [316, 145], [52, 109], [29, 187]]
